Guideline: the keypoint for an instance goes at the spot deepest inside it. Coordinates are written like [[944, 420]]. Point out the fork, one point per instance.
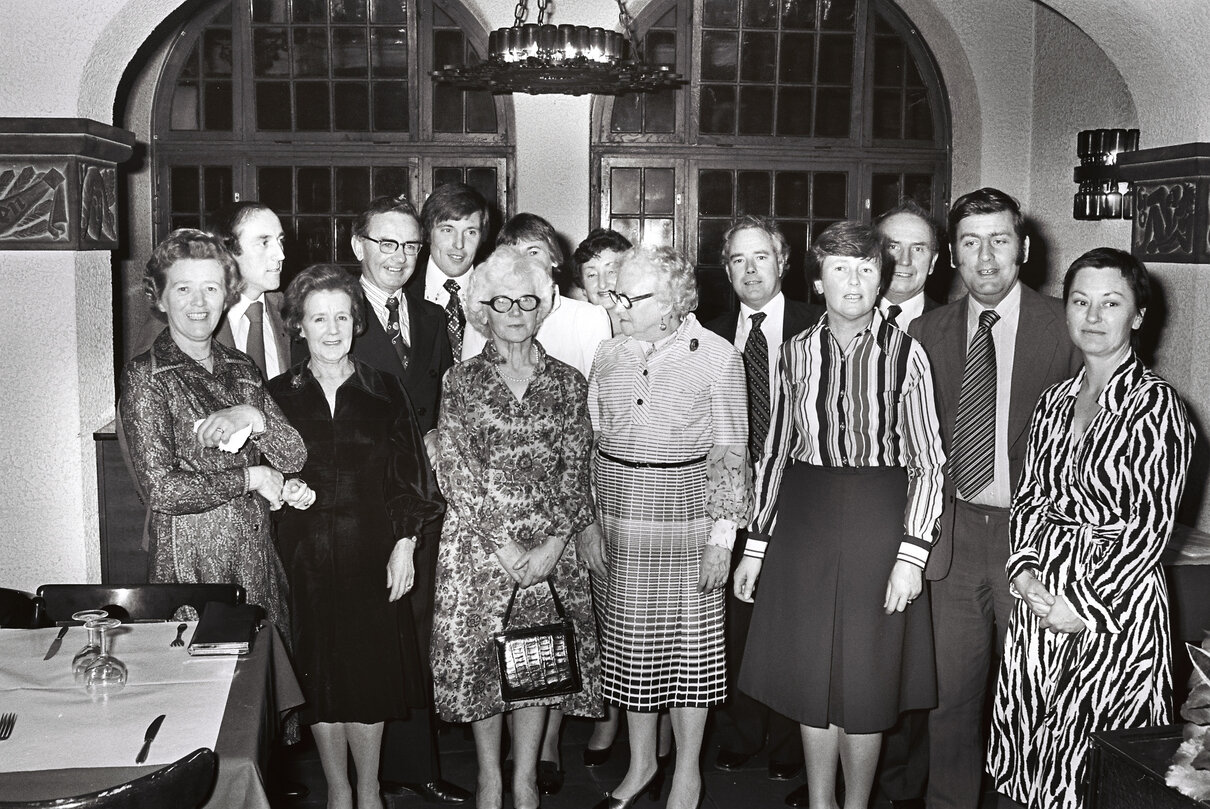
[[7, 722], [180, 633]]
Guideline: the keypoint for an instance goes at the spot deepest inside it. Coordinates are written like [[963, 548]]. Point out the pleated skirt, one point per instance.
[[820, 649]]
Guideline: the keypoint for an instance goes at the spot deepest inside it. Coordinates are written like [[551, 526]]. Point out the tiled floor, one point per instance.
[[749, 788]]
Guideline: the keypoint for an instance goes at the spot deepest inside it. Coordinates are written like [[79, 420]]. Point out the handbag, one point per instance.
[[538, 661]]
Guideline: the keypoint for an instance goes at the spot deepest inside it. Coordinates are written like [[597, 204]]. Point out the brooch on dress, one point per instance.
[[693, 344]]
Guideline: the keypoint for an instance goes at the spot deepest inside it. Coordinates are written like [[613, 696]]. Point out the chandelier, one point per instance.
[[569, 59]]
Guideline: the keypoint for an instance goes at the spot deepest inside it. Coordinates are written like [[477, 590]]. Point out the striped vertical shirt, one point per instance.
[[869, 403]]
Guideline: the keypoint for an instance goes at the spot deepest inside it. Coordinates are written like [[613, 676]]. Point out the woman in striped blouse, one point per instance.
[[848, 497]]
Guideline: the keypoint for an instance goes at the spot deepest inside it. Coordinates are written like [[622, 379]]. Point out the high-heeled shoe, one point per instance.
[[655, 787], [595, 758]]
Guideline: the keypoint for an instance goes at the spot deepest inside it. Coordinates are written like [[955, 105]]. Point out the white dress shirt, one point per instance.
[[773, 328], [434, 286], [377, 298], [909, 310], [239, 332], [999, 492]]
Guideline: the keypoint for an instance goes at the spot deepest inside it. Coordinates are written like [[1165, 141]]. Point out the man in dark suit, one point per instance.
[[1017, 339], [912, 240], [756, 254], [406, 336]]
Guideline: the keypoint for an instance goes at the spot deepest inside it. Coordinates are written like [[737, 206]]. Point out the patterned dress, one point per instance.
[[1090, 520], [205, 524], [679, 408], [509, 470]]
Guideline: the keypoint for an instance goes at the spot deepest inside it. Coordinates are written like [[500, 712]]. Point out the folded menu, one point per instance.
[[225, 629]]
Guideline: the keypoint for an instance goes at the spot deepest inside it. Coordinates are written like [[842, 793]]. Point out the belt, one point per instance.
[[650, 464]]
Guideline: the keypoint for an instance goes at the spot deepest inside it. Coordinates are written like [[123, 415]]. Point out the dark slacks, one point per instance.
[[409, 746], [903, 765], [971, 607], [745, 725]]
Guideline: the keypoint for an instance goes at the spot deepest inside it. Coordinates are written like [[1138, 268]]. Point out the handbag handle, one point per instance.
[[517, 586]]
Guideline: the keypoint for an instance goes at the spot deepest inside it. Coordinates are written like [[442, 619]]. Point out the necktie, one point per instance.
[[256, 335], [892, 313], [756, 369], [972, 457], [455, 320], [397, 342]]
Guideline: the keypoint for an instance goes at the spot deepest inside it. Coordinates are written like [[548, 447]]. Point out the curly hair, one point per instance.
[[189, 243], [507, 271], [676, 282], [322, 278]]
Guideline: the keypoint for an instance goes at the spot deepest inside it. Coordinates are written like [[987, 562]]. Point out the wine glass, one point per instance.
[[92, 647], [106, 675]]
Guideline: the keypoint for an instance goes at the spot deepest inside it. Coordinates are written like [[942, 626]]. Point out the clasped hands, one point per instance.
[[529, 567], [1053, 613]]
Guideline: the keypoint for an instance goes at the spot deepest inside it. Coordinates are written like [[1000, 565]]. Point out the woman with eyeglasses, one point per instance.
[[667, 399], [514, 468]]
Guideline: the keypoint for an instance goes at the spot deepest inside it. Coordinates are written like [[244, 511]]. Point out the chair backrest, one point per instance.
[[16, 609], [183, 784], [138, 602]]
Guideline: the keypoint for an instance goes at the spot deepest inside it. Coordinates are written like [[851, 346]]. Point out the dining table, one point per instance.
[[68, 742]]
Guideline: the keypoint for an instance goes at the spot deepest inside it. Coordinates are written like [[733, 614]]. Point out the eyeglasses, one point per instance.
[[504, 304], [626, 301], [389, 246]]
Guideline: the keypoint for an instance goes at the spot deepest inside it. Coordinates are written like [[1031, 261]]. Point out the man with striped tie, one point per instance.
[[993, 353], [455, 220], [756, 254]]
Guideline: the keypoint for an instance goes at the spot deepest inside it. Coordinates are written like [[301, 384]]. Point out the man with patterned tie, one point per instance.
[[912, 239], [993, 353], [756, 254], [406, 336], [455, 220]]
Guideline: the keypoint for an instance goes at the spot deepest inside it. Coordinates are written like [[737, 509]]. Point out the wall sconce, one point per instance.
[[1103, 193]]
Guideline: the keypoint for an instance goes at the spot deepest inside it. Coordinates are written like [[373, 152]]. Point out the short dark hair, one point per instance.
[[451, 201], [1133, 271], [985, 201], [189, 243], [910, 206], [526, 227], [228, 221], [399, 204], [321, 278], [595, 243], [768, 226], [853, 239]]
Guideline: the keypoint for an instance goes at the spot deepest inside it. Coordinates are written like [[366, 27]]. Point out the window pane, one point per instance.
[[446, 176], [888, 113], [216, 44], [760, 13], [184, 115], [797, 58], [719, 12], [185, 192], [794, 111], [314, 236], [389, 52], [756, 110], [447, 48], [314, 190], [349, 56], [835, 59], [627, 114], [714, 193], [919, 119], [348, 10], [720, 54], [483, 180], [272, 105], [352, 189], [920, 188], [718, 109], [838, 15], [658, 233], [390, 181], [352, 110], [389, 11], [832, 112], [304, 10], [661, 111], [754, 193], [216, 185], [447, 108], [659, 192], [791, 194], [710, 240], [218, 106], [271, 52], [628, 228], [390, 106], [311, 52], [275, 187], [311, 100], [884, 193], [831, 195], [660, 48], [759, 57], [800, 14], [480, 112], [888, 61], [625, 191]]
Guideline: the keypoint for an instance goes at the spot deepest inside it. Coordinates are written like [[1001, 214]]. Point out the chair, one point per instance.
[[183, 784], [133, 602], [16, 609]]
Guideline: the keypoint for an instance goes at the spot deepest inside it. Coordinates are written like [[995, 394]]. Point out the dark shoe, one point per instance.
[[432, 792], [730, 761], [655, 787], [799, 797], [550, 778], [595, 758], [909, 803], [784, 770]]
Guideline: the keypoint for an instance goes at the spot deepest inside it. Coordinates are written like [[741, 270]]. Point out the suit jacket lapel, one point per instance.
[[949, 364], [273, 306], [1035, 352], [224, 335]]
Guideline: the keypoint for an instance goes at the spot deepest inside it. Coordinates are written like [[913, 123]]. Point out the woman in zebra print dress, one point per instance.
[[1088, 645]]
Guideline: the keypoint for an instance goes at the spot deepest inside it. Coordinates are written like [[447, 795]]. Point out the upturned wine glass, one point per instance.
[[107, 674], [92, 646]]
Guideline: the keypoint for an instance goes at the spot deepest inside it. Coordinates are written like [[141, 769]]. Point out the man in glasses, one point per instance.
[[406, 336], [755, 254]]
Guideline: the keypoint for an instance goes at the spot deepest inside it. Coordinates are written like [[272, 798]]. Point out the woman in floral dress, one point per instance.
[[513, 466]]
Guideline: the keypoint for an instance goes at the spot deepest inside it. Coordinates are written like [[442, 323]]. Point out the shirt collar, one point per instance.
[[1123, 380], [1006, 308], [775, 308]]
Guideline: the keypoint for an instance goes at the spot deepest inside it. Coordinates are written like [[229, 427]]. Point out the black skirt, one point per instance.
[[821, 650]]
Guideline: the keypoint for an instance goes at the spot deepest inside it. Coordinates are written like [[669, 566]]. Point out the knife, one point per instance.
[[55, 644], [148, 738]]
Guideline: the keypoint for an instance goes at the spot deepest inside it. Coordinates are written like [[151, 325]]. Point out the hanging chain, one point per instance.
[[628, 26], [543, 5], [519, 13]]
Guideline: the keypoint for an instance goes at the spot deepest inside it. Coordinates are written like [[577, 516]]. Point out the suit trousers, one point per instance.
[[971, 608], [903, 765], [409, 745]]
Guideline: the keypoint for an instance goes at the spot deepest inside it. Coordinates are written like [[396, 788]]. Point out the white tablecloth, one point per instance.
[[60, 726]]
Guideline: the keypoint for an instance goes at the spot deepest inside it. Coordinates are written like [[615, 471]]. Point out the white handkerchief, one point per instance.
[[231, 443]]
